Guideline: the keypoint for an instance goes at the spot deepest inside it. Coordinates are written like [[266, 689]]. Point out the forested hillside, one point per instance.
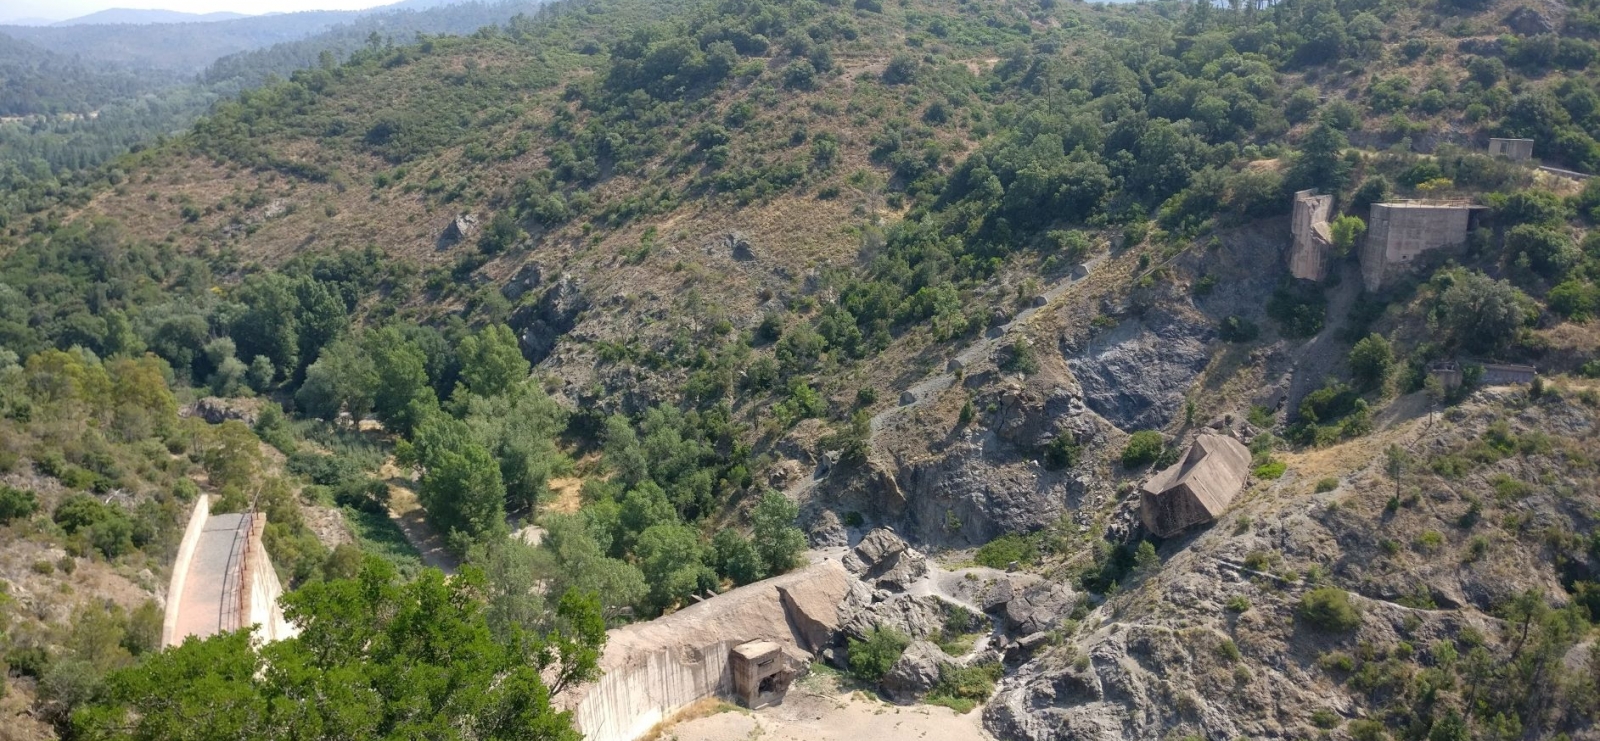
[[110, 87], [659, 278]]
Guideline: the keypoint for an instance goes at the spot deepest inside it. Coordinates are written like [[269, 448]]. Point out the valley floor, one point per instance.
[[820, 708]]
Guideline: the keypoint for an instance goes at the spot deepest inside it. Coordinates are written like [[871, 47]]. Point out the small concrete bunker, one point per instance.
[[1197, 489], [761, 673]]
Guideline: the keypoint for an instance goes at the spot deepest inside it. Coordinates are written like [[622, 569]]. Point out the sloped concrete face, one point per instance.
[[223, 580], [1197, 489], [652, 670]]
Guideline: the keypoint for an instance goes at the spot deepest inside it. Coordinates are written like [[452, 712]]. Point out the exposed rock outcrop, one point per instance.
[[1137, 374], [460, 229], [543, 324], [886, 561], [916, 672]]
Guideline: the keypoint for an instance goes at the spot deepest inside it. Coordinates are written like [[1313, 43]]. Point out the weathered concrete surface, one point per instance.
[[653, 669], [1313, 241], [223, 580], [1198, 488], [180, 568], [1399, 233], [1516, 149], [210, 600]]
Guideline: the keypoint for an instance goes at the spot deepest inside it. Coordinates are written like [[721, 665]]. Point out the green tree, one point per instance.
[[401, 396], [1371, 361], [777, 539], [1481, 313], [579, 563], [1346, 230], [671, 557], [461, 485], [520, 427], [269, 325], [736, 558], [375, 658], [1321, 163], [491, 361], [343, 379]]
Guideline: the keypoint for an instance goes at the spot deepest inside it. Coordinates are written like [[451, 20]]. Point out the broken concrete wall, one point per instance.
[[1399, 233], [1197, 489], [1313, 242], [652, 670]]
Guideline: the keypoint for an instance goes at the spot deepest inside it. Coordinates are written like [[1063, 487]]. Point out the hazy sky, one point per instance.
[[64, 9]]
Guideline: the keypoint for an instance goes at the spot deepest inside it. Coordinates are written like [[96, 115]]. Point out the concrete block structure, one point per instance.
[[1197, 489], [1506, 374], [1313, 241], [722, 647], [1448, 373], [223, 580], [761, 673], [1517, 149], [1399, 233]]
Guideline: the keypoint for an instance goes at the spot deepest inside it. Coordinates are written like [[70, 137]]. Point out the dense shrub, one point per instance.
[[872, 658], [15, 503], [1143, 448], [1329, 609], [1008, 548]]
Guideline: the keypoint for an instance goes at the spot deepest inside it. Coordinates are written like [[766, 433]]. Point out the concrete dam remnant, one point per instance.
[[1313, 239], [1197, 489], [762, 633], [1399, 232], [223, 580], [748, 644]]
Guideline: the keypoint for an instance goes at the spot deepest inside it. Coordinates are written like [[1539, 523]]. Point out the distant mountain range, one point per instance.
[[187, 43], [136, 17]]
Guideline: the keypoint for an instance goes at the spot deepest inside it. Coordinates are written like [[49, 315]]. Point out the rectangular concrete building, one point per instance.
[[1517, 149], [1399, 233]]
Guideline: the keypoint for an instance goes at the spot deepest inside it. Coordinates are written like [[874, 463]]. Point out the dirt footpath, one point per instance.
[[818, 710]]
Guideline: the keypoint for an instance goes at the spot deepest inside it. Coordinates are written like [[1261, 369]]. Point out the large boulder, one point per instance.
[[1041, 606], [915, 616], [886, 561], [915, 673], [460, 229]]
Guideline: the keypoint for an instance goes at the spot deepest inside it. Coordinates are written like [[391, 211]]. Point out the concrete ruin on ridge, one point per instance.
[[1313, 240], [1400, 232], [1198, 488], [1518, 150]]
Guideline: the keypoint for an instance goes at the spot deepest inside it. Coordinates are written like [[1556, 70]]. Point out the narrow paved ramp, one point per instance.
[[211, 598]]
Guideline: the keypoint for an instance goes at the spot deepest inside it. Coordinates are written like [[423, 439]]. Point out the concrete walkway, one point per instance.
[[210, 602]]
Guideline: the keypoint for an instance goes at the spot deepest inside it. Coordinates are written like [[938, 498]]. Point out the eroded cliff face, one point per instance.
[[1217, 643]]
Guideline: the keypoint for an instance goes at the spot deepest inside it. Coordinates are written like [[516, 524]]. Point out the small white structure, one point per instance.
[[1518, 150]]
